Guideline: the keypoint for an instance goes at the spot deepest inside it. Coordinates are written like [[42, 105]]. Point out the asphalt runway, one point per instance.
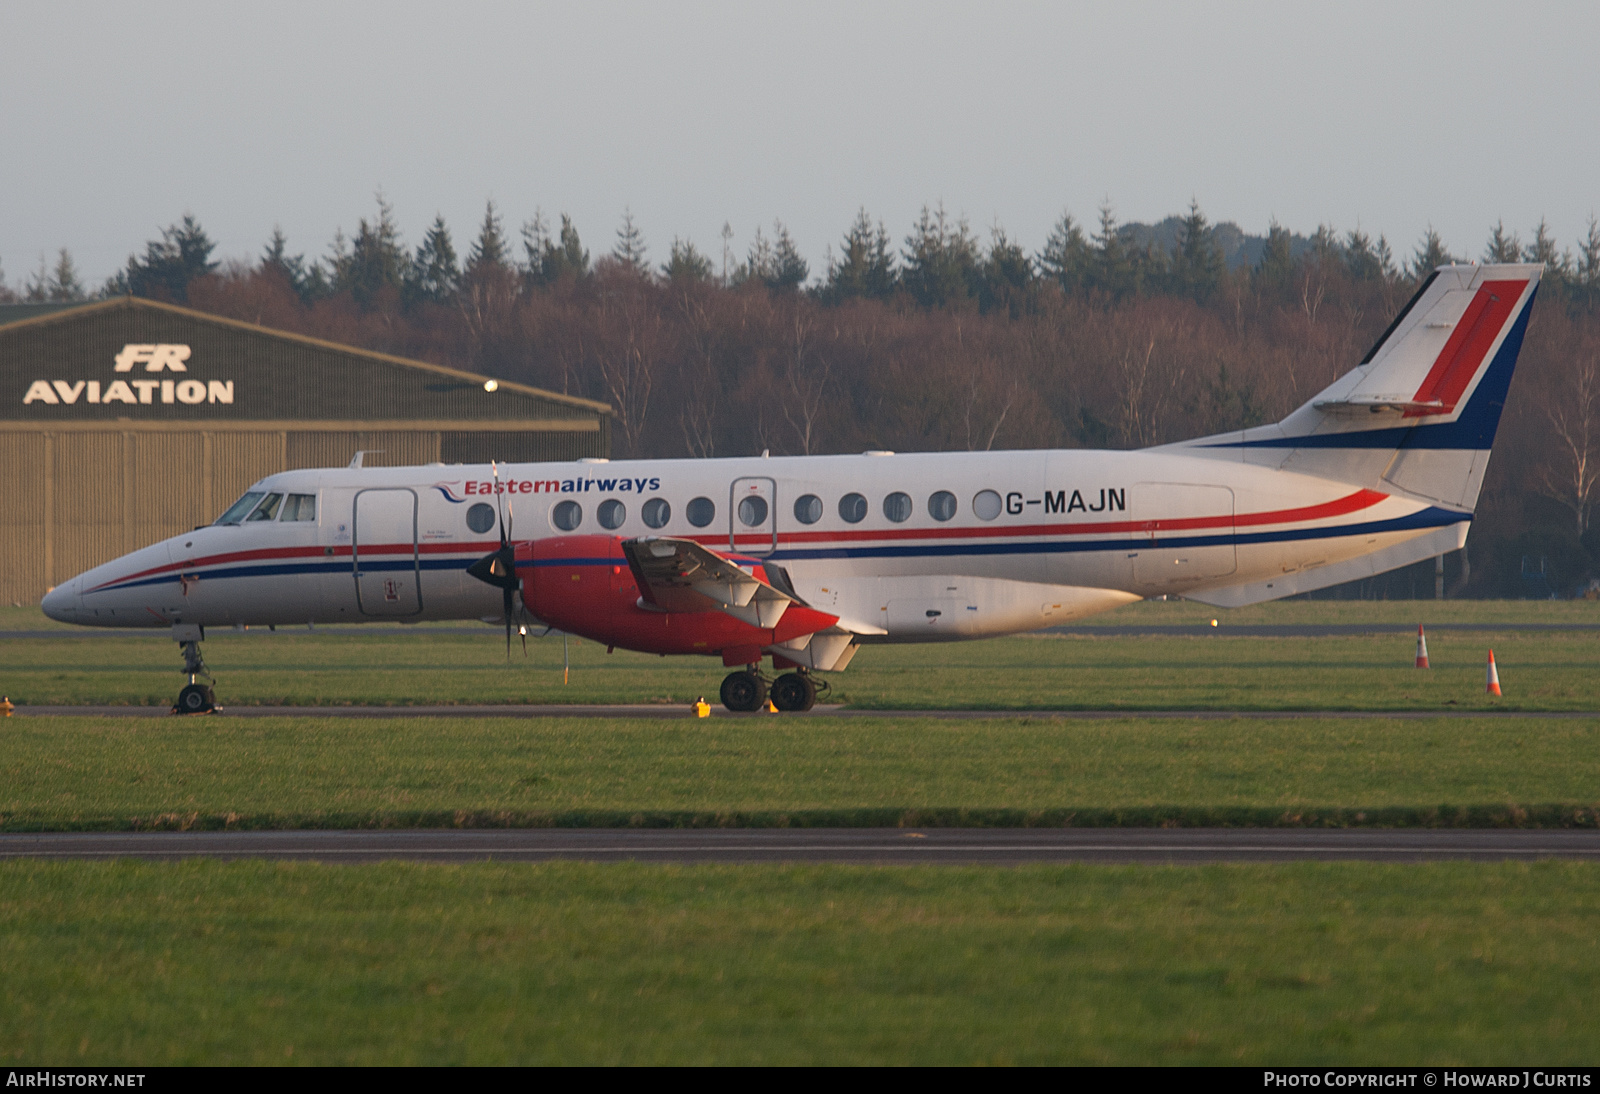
[[933, 846], [669, 713]]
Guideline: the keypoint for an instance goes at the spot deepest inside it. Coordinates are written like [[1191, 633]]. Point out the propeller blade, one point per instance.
[[508, 590], [499, 503]]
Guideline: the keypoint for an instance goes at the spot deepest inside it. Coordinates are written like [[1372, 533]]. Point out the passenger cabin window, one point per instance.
[[611, 513], [567, 516], [480, 517], [267, 510], [236, 512], [299, 507], [942, 506], [753, 511], [897, 507], [853, 508], [986, 504], [808, 509], [701, 512], [656, 512]]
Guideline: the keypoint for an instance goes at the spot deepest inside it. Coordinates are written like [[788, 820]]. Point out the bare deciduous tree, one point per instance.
[[1571, 472]]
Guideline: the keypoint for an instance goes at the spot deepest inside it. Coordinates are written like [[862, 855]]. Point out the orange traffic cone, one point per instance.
[[1422, 648], [1493, 678]]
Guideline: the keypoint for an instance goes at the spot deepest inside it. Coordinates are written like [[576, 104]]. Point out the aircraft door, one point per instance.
[[1185, 532], [384, 556], [753, 516]]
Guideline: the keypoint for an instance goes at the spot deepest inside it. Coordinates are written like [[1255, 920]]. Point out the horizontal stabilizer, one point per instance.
[[1376, 404]]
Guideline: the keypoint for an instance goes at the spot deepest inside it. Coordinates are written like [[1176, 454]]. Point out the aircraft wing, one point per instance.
[[679, 575]]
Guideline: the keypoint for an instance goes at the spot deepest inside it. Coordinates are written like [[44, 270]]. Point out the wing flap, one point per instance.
[[680, 575]]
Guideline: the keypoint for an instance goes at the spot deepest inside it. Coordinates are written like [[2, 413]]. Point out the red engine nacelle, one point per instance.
[[584, 585]]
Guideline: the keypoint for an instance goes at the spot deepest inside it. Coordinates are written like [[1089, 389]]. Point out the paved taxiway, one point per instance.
[[660, 711], [987, 846]]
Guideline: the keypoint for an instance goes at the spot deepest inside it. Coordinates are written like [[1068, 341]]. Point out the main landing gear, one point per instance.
[[747, 690], [197, 698]]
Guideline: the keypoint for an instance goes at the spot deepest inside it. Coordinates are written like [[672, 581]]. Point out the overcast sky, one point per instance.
[[117, 118]]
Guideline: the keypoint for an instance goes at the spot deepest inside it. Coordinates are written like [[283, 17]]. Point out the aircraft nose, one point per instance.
[[61, 603]]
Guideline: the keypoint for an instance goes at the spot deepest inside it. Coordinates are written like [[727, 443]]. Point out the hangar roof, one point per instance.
[[131, 359]]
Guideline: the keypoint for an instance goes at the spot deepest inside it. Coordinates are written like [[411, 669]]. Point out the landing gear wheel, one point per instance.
[[196, 699], [792, 691], [743, 691]]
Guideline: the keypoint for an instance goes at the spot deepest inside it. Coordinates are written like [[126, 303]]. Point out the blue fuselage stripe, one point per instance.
[[1426, 518]]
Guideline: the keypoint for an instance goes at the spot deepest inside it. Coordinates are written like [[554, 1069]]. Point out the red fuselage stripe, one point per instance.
[[1350, 503]]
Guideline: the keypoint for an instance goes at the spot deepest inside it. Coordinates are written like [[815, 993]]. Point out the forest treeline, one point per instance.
[[1108, 335]]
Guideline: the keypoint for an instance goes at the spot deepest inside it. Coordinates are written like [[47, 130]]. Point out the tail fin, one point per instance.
[[1418, 415]]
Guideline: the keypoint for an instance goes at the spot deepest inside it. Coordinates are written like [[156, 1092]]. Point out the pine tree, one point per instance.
[[686, 263], [36, 290], [940, 260], [866, 264], [1588, 269], [1360, 257], [549, 260], [1503, 246], [434, 275], [65, 286], [1276, 268], [277, 260], [1067, 258], [1325, 245], [1557, 266], [1386, 264], [1430, 254], [378, 260], [1197, 259], [760, 264], [630, 248], [1007, 277], [789, 271], [1113, 266], [170, 263], [488, 260], [335, 268]]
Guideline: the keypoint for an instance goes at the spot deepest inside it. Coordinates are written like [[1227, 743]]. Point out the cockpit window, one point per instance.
[[268, 509], [238, 509], [299, 507]]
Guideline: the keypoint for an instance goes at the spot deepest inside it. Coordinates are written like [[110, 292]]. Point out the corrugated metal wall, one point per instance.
[[77, 498]]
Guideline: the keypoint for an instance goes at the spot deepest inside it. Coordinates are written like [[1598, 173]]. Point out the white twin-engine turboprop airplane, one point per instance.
[[803, 559]]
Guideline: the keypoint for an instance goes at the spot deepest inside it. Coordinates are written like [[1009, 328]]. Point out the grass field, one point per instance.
[[87, 772], [1538, 670], [251, 963]]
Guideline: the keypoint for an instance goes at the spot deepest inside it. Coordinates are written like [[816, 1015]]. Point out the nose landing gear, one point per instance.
[[196, 698]]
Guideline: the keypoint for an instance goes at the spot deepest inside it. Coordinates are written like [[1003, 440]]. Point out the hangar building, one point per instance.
[[125, 421]]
